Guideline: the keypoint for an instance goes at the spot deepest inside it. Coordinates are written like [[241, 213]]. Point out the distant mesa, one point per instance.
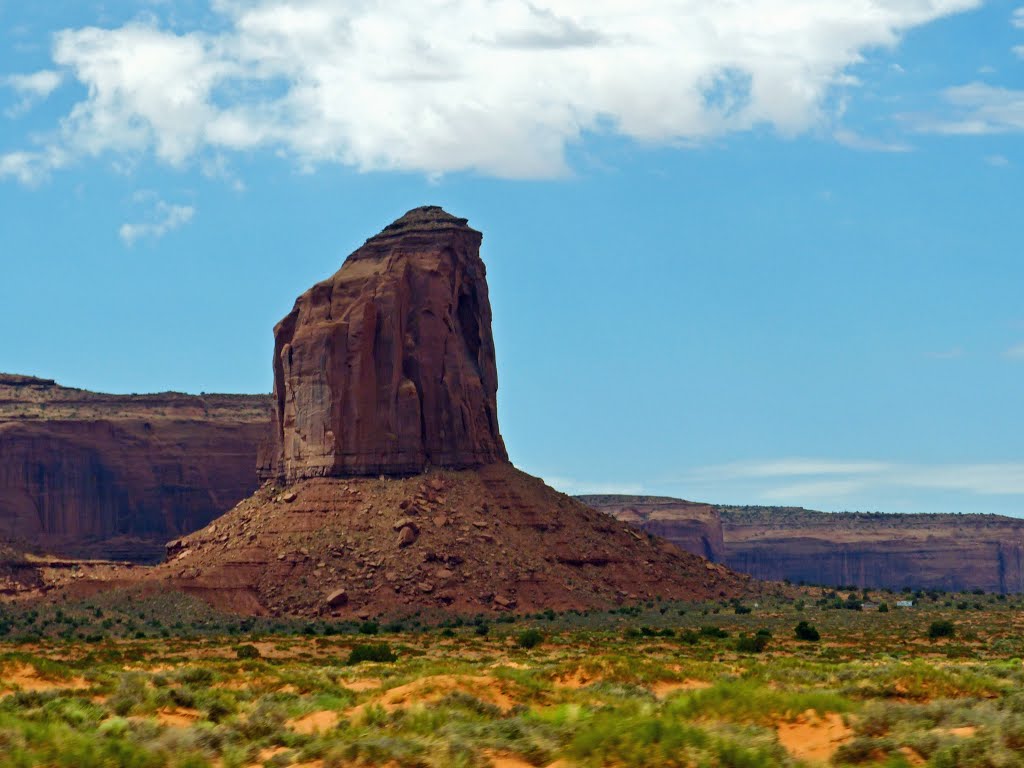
[[86, 474], [890, 551], [388, 366], [17, 380]]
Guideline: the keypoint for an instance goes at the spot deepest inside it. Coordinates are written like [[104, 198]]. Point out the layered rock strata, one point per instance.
[[691, 526], [940, 551], [949, 552], [388, 366], [85, 474]]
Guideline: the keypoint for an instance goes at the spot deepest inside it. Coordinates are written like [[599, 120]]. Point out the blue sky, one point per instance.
[[766, 251]]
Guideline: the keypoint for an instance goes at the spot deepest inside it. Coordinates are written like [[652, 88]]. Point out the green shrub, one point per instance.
[[530, 638], [247, 652], [941, 628], [755, 644], [378, 652], [369, 628], [713, 632], [805, 631]]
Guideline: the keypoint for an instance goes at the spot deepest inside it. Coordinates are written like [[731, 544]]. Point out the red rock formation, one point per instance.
[[487, 539], [388, 366], [692, 527], [949, 552], [86, 474], [385, 369]]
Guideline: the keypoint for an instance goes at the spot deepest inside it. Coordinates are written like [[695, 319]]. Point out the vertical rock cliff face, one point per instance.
[[388, 366], [951, 552], [692, 527], [936, 551], [87, 474]]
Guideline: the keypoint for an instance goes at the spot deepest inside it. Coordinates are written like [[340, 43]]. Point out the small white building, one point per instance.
[[905, 604]]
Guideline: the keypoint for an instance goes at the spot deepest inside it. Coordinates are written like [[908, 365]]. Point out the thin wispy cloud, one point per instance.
[[797, 480], [1015, 352], [978, 109], [573, 486], [1017, 19], [32, 168], [854, 140], [32, 88], [502, 88], [162, 219]]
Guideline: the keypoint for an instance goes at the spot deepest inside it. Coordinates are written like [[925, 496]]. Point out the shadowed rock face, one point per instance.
[[388, 366], [692, 527], [95, 475]]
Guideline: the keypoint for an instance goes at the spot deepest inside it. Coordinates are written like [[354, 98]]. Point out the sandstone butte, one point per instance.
[[388, 366], [934, 551], [84, 474], [388, 487]]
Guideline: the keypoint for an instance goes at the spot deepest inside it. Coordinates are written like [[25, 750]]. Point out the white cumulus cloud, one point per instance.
[[500, 87], [163, 218]]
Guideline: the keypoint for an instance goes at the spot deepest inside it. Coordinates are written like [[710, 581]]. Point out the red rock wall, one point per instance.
[[388, 366], [693, 527], [949, 552], [127, 477]]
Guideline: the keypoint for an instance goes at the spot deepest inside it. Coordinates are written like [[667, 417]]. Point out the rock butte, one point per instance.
[[388, 366], [387, 370]]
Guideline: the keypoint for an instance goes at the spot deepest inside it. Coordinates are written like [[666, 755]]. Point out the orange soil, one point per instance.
[[813, 738], [436, 687], [27, 678], [315, 722]]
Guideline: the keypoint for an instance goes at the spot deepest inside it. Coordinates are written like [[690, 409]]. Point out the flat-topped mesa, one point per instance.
[[17, 380], [388, 366]]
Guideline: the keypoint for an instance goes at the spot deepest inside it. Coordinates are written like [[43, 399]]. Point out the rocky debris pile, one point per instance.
[[493, 539], [388, 366]]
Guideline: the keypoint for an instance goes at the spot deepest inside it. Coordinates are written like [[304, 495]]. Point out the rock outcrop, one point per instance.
[[949, 552], [692, 527], [84, 474], [388, 366], [387, 369]]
